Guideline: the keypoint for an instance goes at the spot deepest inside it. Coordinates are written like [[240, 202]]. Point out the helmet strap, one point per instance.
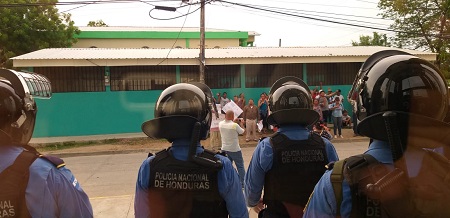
[[18, 123]]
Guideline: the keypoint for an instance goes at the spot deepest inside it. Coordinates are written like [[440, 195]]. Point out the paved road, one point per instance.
[[109, 180]]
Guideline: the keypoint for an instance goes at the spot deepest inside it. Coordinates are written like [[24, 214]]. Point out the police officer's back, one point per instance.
[[288, 164], [186, 180], [31, 185], [401, 101]]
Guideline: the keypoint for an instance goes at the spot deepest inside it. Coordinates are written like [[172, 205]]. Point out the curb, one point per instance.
[[150, 150]]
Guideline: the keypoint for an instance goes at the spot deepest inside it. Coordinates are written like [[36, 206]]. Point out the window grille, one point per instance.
[[332, 73], [189, 74], [137, 78], [223, 76], [74, 79], [264, 75]]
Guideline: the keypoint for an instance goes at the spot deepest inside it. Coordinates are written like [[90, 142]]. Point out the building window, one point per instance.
[[74, 79], [216, 76], [189, 74], [136, 78], [332, 73], [264, 75], [223, 76]]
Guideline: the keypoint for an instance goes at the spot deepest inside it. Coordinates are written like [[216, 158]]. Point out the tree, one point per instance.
[[421, 24], [30, 25], [98, 23], [375, 40]]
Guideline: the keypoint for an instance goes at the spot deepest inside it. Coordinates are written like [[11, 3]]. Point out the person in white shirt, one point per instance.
[[229, 132], [338, 95]]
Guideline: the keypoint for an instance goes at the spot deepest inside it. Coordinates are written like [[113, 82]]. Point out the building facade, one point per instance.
[[114, 90]]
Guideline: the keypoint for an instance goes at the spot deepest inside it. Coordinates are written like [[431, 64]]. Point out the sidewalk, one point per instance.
[[138, 142]]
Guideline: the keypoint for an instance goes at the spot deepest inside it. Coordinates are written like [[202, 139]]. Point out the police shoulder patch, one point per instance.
[[56, 161]]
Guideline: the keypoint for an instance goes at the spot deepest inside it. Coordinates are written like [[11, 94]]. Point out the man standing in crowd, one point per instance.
[[183, 117], [323, 102], [263, 111], [401, 101], [289, 163], [214, 133], [229, 131], [354, 117], [31, 184], [250, 118], [338, 95], [223, 100]]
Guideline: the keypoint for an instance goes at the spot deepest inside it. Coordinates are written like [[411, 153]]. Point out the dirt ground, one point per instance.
[[144, 145]]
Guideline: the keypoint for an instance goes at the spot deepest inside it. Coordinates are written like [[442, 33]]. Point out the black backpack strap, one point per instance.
[[15, 178], [347, 169]]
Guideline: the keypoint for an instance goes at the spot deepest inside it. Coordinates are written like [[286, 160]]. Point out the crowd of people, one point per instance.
[[294, 172], [330, 106]]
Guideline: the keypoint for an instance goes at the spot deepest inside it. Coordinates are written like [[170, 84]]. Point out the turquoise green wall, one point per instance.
[[93, 113]]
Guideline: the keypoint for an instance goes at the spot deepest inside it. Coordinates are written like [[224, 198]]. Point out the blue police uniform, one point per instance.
[[262, 161], [323, 201], [228, 183], [51, 191]]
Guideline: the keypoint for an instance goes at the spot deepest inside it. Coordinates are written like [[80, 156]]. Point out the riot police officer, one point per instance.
[[32, 185], [400, 100], [186, 180], [289, 163]]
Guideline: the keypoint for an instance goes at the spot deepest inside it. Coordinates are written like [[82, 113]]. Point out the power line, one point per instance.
[[333, 21], [322, 16], [305, 17], [37, 4], [324, 5]]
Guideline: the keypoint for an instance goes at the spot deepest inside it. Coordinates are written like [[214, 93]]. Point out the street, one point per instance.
[[109, 180]]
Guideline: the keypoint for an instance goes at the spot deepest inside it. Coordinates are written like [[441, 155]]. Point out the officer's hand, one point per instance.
[[260, 206]]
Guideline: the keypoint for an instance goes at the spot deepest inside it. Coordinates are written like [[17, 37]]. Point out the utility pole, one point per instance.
[[202, 41]]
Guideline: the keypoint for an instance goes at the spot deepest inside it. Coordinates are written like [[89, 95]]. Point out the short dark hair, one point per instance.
[[338, 90]]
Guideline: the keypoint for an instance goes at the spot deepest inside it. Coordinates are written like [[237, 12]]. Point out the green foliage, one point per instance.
[[98, 23], [375, 40], [24, 29], [421, 24]]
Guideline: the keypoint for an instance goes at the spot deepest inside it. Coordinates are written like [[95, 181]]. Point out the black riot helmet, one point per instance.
[[17, 106], [397, 81], [177, 110], [290, 102]]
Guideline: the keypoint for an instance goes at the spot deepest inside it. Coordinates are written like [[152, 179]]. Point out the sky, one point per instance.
[[301, 23]]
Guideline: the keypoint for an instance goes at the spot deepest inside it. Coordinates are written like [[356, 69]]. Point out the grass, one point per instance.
[[74, 144]]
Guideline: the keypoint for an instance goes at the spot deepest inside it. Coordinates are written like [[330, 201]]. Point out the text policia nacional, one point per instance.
[[302, 156]]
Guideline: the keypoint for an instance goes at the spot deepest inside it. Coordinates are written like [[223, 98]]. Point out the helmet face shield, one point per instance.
[[290, 102], [17, 106], [290, 97], [412, 87], [181, 103], [178, 108]]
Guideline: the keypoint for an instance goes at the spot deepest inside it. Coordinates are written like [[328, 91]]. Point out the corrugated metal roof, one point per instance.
[[216, 53], [153, 29]]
